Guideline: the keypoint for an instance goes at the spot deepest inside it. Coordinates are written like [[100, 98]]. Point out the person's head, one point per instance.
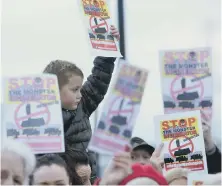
[[177, 176], [70, 79], [51, 169], [17, 163], [79, 162], [141, 151]]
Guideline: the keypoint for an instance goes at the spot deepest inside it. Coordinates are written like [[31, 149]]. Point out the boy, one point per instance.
[[141, 151], [80, 101]]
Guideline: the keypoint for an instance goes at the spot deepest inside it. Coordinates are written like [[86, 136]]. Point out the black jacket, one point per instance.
[[214, 162], [77, 129]]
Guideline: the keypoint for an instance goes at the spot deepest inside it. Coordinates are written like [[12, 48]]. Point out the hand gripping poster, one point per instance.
[[182, 136], [187, 81], [32, 112], [97, 20], [120, 111]]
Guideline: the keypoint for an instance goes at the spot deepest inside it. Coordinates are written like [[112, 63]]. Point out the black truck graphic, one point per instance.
[[168, 160], [13, 132], [31, 132], [169, 104], [196, 157], [186, 104], [92, 36], [187, 96], [181, 154], [32, 122], [119, 121], [52, 131], [110, 37], [205, 103], [100, 31], [101, 125]]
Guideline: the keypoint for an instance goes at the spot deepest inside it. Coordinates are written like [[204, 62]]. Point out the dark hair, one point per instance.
[[74, 157], [63, 70], [136, 140], [48, 160]]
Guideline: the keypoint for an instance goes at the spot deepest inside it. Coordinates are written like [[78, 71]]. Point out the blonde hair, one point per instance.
[[24, 152], [176, 173]]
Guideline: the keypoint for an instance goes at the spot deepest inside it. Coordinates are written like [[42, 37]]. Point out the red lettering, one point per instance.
[[13, 83], [174, 123], [191, 121], [165, 125]]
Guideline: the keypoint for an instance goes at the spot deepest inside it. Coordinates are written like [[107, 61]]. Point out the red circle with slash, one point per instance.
[[18, 119], [175, 93], [94, 26], [114, 112], [172, 150]]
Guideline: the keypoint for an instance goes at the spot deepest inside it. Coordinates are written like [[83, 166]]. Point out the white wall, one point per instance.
[[35, 32]]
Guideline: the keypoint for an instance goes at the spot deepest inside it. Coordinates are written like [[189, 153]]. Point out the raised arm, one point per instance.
[[97, 84]]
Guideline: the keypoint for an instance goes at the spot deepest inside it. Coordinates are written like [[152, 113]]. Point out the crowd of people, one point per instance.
[[139, 164]]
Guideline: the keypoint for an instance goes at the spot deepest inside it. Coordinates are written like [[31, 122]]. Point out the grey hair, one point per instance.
[[24, 152]]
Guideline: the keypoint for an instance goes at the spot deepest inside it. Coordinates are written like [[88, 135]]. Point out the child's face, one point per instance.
[[70, 93], [140, 156]]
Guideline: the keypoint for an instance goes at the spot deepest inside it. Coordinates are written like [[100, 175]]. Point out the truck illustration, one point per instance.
[[187, 96], [52, 131], [205, 103], [169, 104], [31, 132], [119, 121], [181, 158], [32, 122], [110, 37], [168, 160], [181, 154], [186, 104], [12, 132], [101, 125], [196, 157], [92, 36]]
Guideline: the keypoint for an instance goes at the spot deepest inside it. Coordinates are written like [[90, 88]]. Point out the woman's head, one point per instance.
[[70, 79], [17, 163], [51, 169]]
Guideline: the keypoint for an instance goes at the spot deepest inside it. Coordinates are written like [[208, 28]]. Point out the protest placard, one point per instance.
[[97, 21], [32, 112], [187, 80], [120, 111], [182, 136]]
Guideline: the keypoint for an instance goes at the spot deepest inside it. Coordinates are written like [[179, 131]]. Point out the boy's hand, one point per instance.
[[156, 160], [119, 168], [114, 32]]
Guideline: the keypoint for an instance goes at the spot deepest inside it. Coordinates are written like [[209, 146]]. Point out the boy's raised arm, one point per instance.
[[97, 84]]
